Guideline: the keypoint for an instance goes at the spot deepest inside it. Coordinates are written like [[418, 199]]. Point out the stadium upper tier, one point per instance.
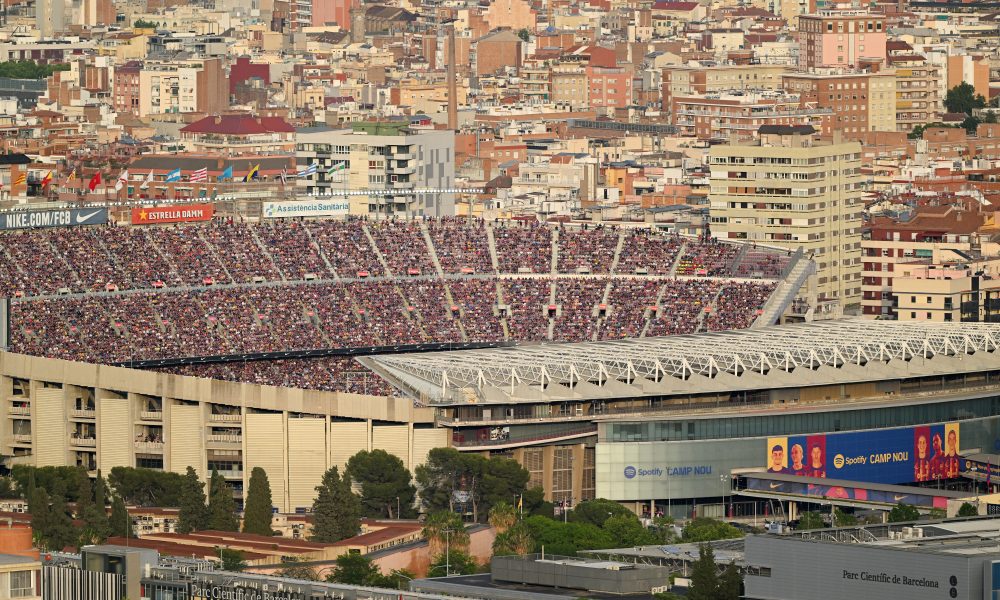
[[807, 354], [119, 294]]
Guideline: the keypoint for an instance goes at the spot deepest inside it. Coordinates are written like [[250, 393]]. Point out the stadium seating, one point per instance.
[[118, 294]]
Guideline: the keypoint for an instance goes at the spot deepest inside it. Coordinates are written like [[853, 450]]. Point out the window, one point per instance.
[[21, 584]]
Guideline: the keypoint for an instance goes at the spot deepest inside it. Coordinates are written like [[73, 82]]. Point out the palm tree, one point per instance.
[[502, 516], [445, 530]]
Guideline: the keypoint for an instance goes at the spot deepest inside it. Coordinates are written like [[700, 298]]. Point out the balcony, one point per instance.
[[231, 474], [402, 170], [151, 415], [225, 438], [86, 442], [226, 417], [401, 185], [402, 156], [77, 413], [19, 410], [149, 446], [22, 438]]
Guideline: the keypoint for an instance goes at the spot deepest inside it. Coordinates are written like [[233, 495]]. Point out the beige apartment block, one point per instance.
[[61, 413], [943, 293], [788, 189]]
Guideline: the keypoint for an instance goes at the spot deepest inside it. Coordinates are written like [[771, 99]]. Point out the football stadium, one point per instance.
[[613, 362], [229, 344]]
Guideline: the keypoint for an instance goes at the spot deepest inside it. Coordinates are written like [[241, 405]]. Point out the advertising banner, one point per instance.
[[307, 208], [184, 213], [837, 492], [70, 217], [903, 455]]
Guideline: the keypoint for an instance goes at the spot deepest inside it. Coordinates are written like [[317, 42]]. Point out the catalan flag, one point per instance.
[[22, 178]]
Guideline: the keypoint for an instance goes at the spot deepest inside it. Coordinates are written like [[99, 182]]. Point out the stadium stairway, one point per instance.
[[678, 259], [378, 253], [215, 254], [554, 270], [796, 274], [618, 255], [658, 304], [319, 250], [492, 242], [432, 251]]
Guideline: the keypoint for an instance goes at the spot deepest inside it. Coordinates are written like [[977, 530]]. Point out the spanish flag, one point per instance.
[[252, 174], [22, 178]]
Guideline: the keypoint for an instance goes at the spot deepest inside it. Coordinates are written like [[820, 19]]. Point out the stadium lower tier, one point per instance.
[[120, 327]]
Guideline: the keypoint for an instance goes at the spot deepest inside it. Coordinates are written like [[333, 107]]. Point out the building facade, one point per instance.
[[386, 156], [860, 101], [63, 413], [841, 38], [789, 190]]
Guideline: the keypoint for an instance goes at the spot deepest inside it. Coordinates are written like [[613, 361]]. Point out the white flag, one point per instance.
[[149, 180], [122, 180]]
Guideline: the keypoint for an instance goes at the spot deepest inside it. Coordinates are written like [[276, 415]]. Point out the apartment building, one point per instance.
[[609, 87], [62, 413], [688, 81], [841, 38], [392, 157], [183, 86], [737, 115], [893, 247], [569, 86], [917, 99], [788, 189], [943, 293], [859, 102]]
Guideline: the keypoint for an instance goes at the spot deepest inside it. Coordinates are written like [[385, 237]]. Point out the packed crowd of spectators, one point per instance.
[[591, 249], [403, 246], [577, 301], [738, 305], [461, 245], [628, 302], [523, 246], [331, 373], [273, 308], [644, 250], [707, 257]]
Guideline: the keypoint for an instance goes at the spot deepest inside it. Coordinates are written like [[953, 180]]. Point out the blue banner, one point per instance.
[[903, 455]]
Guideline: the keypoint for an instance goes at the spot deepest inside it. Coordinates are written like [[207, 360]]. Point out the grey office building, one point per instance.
[[940, 561]]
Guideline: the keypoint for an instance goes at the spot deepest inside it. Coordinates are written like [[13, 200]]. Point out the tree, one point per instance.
[[524, 34], [38, 508], [193, 515], [963, 99], [967, 510], [903, 513], [221, 506], [704, 576], [8, 488], [60, 532], [516, 540], [385, 483], [704, 529], [445, 529], [596, 512], [354, 569], [140, 24], [232, 560], [257, 512], [455, 562], [502, 517], [65, 480], [971, 125], [842, 519], [628, 531], [810, 520], [291, 569], [93, 512], [730, 584], [336, 510], [146, 487], [120, 523], [567, 538], [450, 480]]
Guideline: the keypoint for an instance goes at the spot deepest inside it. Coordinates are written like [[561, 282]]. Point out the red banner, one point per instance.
[[183, 213]]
